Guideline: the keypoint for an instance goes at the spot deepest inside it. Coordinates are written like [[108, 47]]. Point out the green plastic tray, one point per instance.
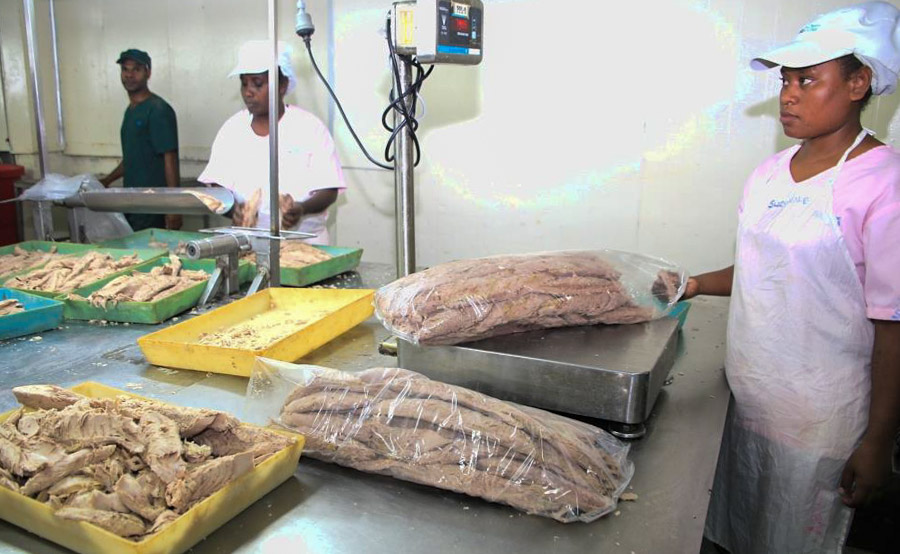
[[344, 259], [142, 239], [145, 255], [141, 312]]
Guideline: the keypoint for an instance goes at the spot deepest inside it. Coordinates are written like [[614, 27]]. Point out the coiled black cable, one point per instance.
[[398, 103]]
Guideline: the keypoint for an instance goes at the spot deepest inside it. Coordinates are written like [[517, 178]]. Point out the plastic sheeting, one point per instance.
[[396, 422], [468, 300]]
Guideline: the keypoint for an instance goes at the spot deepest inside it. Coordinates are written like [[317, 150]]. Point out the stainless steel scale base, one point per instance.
[[608, 372]]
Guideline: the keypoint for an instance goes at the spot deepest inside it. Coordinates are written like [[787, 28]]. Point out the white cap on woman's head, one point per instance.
[[255, 56], [870, 31]]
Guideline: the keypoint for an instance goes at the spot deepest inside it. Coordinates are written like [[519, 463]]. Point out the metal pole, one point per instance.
[[403, 180], [30, 34], [60, 128], [274, 199], [43, 231]]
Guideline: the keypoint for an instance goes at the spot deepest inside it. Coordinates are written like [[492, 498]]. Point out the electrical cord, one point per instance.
[[397, 103], [337, 102], [409, 119]]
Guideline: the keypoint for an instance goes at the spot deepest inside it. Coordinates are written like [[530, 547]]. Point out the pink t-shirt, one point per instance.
[[867, 205]]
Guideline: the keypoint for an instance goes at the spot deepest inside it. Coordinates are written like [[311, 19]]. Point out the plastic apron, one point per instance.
[[798, 360]]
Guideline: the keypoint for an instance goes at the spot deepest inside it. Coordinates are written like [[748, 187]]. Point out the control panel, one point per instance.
[[439, 31]]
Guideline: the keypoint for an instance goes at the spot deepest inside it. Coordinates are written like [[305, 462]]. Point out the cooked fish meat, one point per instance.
[[11, 306], [124, 525], [251, 209], [44, 397], [258, 332], [211, 202], [160, 282], [23, 260], [65, 274], [207, 478], [298, 254], [128, 465]]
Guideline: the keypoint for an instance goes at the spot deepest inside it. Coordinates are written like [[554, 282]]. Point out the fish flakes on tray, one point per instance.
[[128, 465], [160, 282], [180, 248], [67, 273], [11, 306], [298, 254], [23, 260], [256, 333]]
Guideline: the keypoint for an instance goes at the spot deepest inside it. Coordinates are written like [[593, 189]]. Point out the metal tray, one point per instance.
[[40, 314], [145, 312], [330, 313], [159, 200], [189, 529], [609, 372], [144, 254]]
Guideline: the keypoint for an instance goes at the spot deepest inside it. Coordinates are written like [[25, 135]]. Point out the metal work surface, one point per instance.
[[329, 509], [608, 372]]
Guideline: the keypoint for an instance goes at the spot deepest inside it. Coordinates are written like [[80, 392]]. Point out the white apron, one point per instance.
[[798, 360]]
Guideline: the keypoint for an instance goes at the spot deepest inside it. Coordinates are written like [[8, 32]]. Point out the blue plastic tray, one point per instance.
[[40, 314]]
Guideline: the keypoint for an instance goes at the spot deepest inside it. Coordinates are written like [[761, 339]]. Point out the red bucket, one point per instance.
[[9, 174]]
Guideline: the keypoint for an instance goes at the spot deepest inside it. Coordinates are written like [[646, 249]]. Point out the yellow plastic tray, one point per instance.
[[191, 527], [332, 312]]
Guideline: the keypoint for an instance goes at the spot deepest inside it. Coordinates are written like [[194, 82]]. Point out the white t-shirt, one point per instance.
[[307, 161]]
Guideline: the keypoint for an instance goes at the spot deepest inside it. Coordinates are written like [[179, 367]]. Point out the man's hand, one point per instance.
[[290, 213], [173, 222], [113, 175], [866, 471]]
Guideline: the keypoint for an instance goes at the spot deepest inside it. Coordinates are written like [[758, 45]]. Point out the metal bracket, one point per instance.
[[261, 281], [225, 275], [212, 286], [76, 226]]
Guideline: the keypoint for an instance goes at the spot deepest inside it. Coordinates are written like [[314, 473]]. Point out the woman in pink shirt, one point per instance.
[[813, 354]]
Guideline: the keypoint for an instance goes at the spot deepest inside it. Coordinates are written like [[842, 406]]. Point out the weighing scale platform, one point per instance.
[[610, 372]]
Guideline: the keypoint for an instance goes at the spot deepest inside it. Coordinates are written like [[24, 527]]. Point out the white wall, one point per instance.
[[589, 124], [193, 45]]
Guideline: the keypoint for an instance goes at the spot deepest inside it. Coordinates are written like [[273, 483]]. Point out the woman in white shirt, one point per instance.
[[310, 175]]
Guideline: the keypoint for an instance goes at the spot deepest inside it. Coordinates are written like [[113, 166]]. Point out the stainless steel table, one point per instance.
[[329, 509]]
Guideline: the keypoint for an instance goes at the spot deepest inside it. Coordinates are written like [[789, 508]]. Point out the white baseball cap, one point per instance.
[[870, 31], [255, 56]]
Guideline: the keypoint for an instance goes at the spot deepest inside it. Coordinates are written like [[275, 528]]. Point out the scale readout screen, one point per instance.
[[459, 28]]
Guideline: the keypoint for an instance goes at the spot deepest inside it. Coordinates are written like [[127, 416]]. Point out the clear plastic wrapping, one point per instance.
[[468, 300], [396, 422]]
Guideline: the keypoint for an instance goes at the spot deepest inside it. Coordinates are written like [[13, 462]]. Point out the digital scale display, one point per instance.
[[459, 28]]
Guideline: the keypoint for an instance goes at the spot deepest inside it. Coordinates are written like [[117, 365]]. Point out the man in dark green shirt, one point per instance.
[[149, 139]]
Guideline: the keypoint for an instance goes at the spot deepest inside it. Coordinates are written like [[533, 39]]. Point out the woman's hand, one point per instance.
[[237, 215], [691, 289], [290, 212], [714, 283], [866, 471]]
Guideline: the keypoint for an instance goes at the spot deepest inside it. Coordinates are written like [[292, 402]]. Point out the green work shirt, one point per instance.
[[149, 130]]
